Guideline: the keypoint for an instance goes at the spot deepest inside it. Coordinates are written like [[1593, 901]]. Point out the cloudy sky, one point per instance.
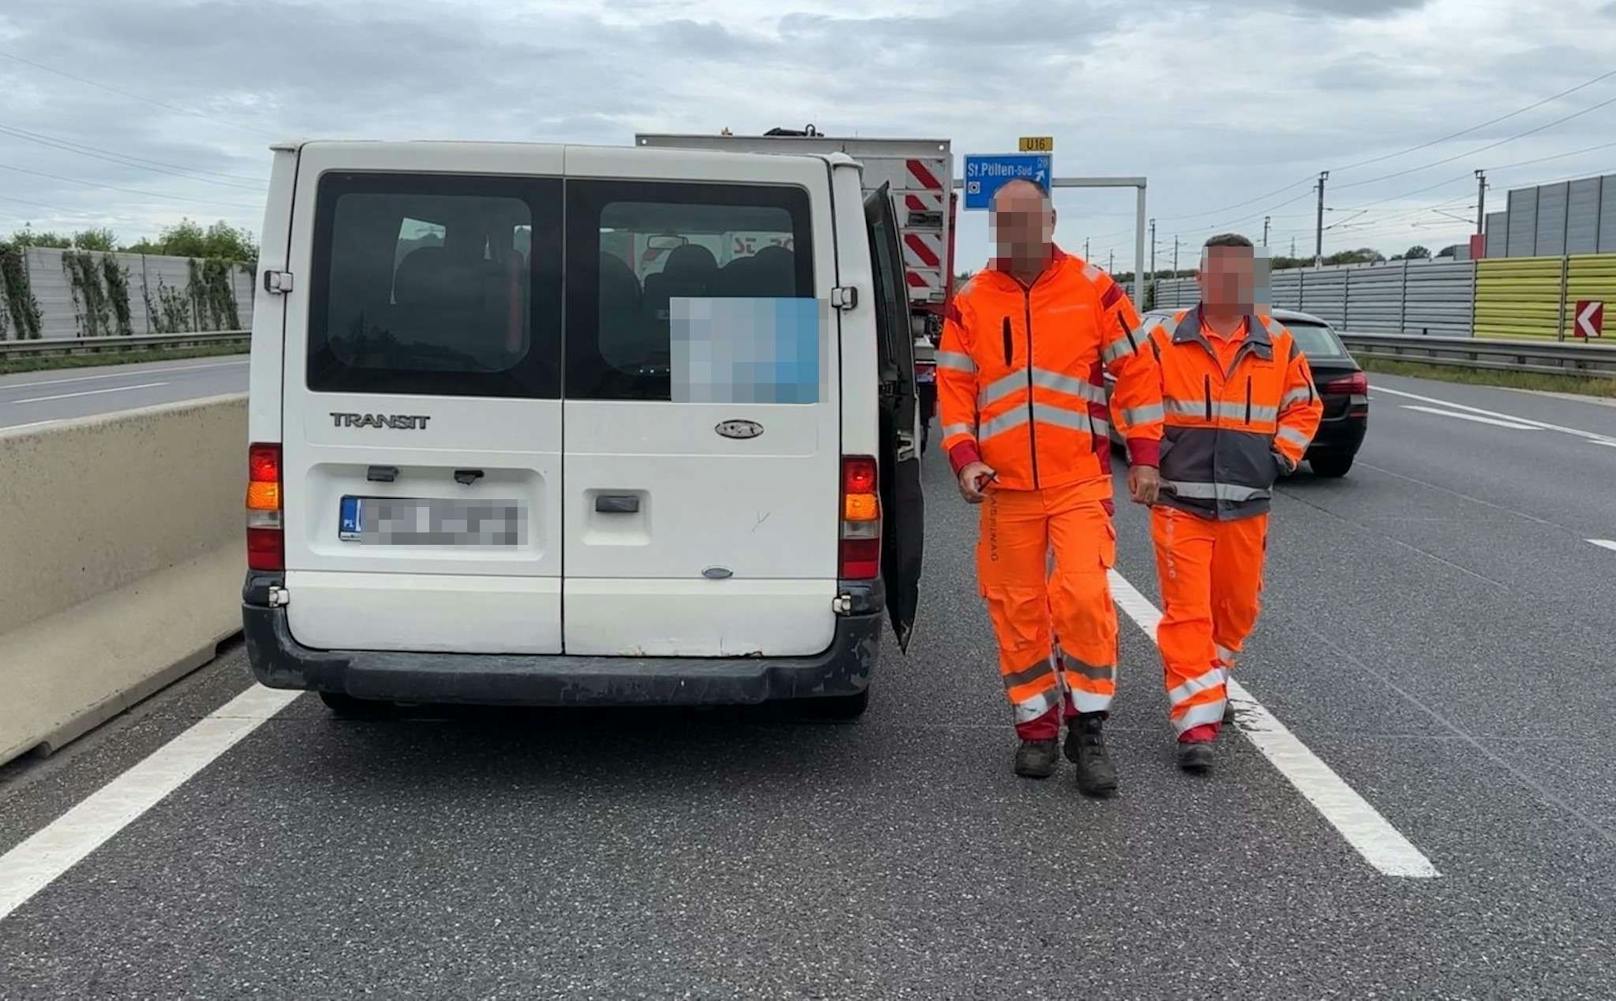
[[133, 115]]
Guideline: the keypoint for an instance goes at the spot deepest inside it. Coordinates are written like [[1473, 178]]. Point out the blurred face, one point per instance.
[[1228, 277], [1023, 223]]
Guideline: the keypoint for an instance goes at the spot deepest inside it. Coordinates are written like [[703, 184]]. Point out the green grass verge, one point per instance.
[[103, 358], [1490, 377]]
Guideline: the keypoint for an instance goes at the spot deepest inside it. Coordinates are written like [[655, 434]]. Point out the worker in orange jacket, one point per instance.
[[1240, 409], [1021, 391]]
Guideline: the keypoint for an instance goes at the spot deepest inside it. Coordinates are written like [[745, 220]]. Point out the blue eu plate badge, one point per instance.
[[348, 520]]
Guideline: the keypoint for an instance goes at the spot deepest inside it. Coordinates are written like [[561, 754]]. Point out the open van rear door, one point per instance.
[[901, 500]]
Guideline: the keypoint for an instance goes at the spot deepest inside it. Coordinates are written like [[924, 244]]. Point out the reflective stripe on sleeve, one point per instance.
[[1144, 415], [956, 361], [950, 430], [1301, 394], [1293, 437], [1120, 348]]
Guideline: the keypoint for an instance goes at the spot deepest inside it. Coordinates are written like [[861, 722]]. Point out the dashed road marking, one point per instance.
[[1477, 418], [1380, 844], [65, 841], [1604, 544]]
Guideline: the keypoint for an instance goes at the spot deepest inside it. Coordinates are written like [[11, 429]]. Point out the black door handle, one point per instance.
[[617, 504], [468, 476], [381, 474]]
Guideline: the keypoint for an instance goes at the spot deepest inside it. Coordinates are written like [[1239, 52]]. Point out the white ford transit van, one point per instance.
[[560, 425]]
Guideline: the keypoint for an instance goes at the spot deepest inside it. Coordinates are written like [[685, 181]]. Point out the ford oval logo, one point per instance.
[[739, 429]]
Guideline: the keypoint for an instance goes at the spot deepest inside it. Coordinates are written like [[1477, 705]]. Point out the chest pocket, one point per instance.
[[1065, 338], [1255, 390]]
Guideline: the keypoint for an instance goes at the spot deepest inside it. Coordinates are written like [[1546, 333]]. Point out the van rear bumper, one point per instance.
[[279, 661]]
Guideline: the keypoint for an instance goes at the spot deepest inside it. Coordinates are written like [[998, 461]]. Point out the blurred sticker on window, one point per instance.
[[744, 350]]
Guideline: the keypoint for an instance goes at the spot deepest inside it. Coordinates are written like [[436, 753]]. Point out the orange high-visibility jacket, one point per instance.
[[1229, 434], [1021, 377]]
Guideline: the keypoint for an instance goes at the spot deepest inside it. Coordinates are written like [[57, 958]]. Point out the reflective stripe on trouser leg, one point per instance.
[[1199, 714], [1237, 572], [1084, 546], [1184, 557], [1089, 687], [1010, 559]]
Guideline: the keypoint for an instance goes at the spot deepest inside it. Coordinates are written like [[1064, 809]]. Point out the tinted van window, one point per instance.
[[634, 246], [436, 285]]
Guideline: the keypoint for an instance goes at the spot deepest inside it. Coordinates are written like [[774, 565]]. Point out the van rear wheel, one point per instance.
[[344, 706], [838, 708]]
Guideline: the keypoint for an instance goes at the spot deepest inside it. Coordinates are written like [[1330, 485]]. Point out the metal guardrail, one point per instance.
[[1550, 357], [95, 345]]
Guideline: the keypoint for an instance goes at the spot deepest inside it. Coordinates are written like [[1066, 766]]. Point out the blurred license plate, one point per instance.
[[431, 521]]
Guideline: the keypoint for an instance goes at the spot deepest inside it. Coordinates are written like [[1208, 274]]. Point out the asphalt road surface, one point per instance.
[[1420, 803], [35, 399]]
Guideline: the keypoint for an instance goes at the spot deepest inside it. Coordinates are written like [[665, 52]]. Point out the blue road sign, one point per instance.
[[987, 173]]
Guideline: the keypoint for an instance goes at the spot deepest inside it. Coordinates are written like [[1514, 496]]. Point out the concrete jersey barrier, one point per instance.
[[120, 561]]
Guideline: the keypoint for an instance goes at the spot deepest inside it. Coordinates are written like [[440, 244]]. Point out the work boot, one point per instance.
[[1035, 759], [1195, 756], [1085, 748]]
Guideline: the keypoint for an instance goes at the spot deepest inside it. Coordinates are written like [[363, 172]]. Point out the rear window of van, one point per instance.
[[445, 286]]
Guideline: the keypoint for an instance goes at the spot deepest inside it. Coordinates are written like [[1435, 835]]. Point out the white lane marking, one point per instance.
[[1381, 844], [1515, 425], [65, 841], [1590, 435], [90, 392], [1604, 544], [118, 375]]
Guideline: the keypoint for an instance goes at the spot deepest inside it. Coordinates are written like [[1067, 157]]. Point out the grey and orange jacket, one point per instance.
[[1021, 377], [1230, 433]]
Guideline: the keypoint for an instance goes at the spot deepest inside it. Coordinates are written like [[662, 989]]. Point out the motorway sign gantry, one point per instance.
[[1590, 320], [985, 174]]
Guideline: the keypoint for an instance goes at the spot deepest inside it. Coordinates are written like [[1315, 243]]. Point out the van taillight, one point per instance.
[[860, 547], [266, 547]]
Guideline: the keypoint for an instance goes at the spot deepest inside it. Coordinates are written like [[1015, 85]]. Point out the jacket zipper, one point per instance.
[[1032, 423], [1208, 379], [1248, 399], [1008, 347]]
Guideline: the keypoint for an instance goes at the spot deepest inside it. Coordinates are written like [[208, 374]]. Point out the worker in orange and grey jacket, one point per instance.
[[1240, 409], [1021, 389]]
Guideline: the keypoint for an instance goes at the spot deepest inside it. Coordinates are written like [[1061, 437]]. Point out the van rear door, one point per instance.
[[902, 502], [701, 416], [422, 427]]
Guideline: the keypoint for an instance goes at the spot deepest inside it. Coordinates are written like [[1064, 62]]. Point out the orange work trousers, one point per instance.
[[1211, 585], [1033, 601]]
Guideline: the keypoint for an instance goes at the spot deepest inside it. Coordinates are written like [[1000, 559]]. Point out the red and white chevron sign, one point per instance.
[[1590, 318], [921, 175]]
